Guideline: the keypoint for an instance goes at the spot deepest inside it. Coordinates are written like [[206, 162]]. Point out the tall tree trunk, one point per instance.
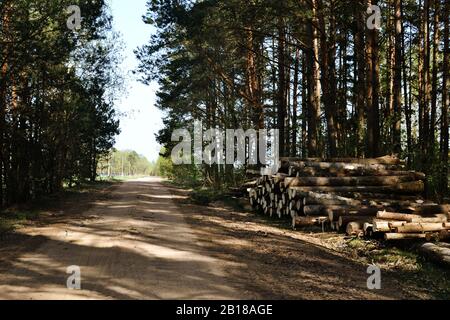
[[426, 87], [445, 104], [360, 88], [342, 123], [406, 96], [314, 85], [295, 104], [4, 18], [396, 130], [282, 103], [305, 106], [421, 80], [328, 79], [389, 113], [373, 86], [253, 83], [434, 80]]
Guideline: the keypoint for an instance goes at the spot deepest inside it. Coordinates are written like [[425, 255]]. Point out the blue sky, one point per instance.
[[144, 119]]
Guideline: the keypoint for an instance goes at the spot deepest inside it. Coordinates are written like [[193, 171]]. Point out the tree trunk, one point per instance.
[[328, 79], [295, 95], [406, 96], [397, 99], [305, 106], [425, 139], [373, 83], [445, 105], [314, 85], [360, 88], [434, 77], [282, 103]]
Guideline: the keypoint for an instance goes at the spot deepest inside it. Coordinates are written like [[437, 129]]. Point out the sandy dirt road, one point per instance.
[[133, 245], [141, 242]]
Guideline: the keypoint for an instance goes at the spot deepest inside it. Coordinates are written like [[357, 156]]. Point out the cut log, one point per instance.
[[298, 222], [321, 210], [406, 187], [344, 220], [436, 253], [361, 211], [386, 226], [413, 199], [396, 224], [432, 209], [440, 219], [385, 215], [350, 181], [324, 169], [404, 236], [381, 226], [368, 228], [314, 198], [386, 160], [355, 229], [420, 227], [250, 184], [444, 235]]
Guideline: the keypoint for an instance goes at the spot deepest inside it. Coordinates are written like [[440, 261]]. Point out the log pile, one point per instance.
[[372, 197], [425, 223]]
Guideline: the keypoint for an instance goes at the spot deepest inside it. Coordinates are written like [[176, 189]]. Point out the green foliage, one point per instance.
[[125, 164], [221, 61], [57, 92]]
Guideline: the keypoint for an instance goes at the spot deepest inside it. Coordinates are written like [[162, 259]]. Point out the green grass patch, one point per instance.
[[414, 268], [385, 255], [13, 218], [206, 196], [18, 215], [83, 187], [120, 178]]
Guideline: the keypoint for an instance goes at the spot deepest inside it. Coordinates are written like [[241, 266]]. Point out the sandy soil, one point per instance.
[[141, 240]]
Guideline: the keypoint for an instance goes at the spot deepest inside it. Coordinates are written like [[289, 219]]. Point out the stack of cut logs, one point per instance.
[[372, 197]]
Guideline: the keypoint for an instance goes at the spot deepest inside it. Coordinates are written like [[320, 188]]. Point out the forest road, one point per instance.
[[133, 245], [143, 241]]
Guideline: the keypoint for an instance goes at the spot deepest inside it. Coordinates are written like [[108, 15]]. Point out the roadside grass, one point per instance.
[[13, 218], [18, 216], [204, 196], [386, 255], [120, 178], [403, 256]]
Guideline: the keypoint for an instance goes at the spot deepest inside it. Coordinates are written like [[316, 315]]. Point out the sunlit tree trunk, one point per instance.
[[445, 104], [314, 85], [397, 91], [373, 89]]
